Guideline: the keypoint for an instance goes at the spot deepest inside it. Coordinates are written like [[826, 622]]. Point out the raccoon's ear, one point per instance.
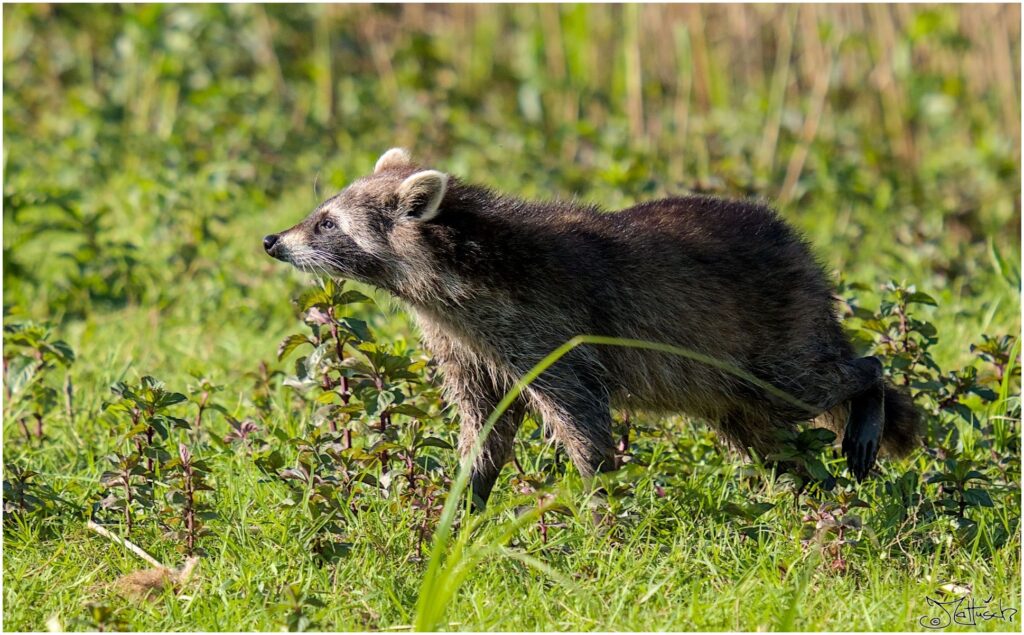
[[420, 195], [393, 158]]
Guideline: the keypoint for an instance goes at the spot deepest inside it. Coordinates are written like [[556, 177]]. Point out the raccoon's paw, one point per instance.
[[863, 434], [860, 455]]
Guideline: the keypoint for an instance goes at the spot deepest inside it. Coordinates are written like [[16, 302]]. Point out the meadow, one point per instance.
[[167, 381]]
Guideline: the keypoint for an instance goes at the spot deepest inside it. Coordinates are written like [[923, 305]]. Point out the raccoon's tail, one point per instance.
[[902, 430]]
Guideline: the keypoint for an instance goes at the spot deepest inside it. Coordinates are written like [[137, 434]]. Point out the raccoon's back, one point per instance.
[[730, 280], [728, 275], [691, 269], [737, 239]]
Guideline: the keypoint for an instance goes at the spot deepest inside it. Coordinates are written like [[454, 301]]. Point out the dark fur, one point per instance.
[[497, 283]]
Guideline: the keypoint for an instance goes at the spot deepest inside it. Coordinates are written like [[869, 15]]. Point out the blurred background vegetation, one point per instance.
[[890, 126], [151, 129], [148, 148]]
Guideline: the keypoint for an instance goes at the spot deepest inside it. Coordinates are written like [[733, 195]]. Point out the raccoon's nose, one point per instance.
[[269, 242]]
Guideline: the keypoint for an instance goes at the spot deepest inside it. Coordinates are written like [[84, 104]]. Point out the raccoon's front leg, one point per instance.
[[579, 415], [476, 398], [497, 448]]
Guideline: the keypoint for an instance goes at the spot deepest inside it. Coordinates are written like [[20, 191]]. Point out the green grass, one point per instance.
[[148, 149]]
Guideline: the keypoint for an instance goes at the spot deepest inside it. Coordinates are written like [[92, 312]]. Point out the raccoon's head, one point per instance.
[[369, 231]]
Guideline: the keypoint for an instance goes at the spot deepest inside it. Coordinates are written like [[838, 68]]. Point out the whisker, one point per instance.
[[332, 261], [319, 262], [303, 262]]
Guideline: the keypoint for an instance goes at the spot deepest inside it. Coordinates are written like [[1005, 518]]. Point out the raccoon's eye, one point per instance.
[[326, 224]]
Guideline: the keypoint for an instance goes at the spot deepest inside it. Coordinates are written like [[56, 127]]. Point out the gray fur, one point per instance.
[[497, 283]]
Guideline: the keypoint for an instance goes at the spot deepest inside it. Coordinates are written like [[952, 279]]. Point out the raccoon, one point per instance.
[[496, 283]]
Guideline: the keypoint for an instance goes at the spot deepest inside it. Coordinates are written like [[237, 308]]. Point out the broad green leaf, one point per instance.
[[290, 343], [434, 442]]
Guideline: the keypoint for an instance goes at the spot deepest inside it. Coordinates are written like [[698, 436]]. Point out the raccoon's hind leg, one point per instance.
[[866, 421]]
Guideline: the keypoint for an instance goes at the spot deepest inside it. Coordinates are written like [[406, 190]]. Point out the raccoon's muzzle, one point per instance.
[[271, 244]]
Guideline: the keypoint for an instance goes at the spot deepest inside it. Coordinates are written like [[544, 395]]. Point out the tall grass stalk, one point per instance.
[[445, 574]]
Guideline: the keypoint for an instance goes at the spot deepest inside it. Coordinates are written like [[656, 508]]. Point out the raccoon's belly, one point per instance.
[[660, 382]]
